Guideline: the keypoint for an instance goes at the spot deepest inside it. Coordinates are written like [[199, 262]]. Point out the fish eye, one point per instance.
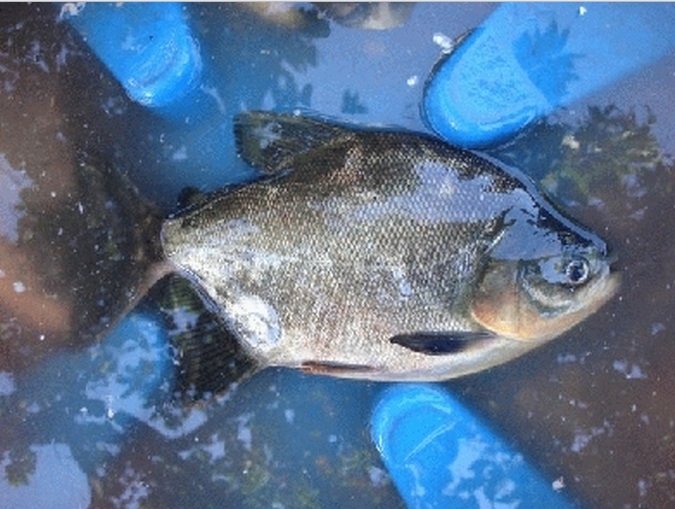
[[577, 271]]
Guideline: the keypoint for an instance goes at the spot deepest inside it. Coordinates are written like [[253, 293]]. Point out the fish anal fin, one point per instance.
[[441, 343], [335, 368]]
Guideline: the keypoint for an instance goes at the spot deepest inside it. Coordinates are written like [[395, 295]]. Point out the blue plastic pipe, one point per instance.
[[148, 47], [529, 58], [441, 456]]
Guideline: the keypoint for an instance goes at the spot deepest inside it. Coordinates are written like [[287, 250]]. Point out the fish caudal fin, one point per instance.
[[269, 141], [208, 358]]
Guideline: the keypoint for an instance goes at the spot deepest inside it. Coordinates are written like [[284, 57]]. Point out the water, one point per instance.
[[593, 408]]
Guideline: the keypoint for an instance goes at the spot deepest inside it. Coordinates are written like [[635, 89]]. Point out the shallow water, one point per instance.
[[593, 408]]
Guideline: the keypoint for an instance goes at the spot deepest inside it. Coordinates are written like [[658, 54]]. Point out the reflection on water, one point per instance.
[[593, 408], [550, 66]]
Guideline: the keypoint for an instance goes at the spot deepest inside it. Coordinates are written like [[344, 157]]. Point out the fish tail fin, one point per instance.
[[208, 358], [269, 141]]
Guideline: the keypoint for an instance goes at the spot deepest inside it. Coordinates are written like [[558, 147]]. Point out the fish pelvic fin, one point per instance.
[[442, 343], [270, 141], [208, 359]]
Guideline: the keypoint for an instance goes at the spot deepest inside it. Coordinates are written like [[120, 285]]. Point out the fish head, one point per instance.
[[536, 287]]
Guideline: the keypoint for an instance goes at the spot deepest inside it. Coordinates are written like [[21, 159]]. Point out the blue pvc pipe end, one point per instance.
[[440, 455], [529, 58], [148, 47]]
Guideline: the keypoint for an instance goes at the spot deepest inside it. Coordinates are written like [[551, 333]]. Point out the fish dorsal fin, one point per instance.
[[441, 343], [208, 358], [270, 141]]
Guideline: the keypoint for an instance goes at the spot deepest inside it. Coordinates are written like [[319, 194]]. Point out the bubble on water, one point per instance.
[[445, 42]]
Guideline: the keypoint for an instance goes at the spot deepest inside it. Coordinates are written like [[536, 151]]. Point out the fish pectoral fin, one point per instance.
[[335, 368], [441, 343]]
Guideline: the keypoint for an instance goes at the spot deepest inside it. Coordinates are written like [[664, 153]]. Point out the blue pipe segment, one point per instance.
[[148, 47], [528, 59], [440, 455]]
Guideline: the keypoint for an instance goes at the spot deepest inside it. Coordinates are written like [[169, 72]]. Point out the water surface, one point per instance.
[[593, 408]]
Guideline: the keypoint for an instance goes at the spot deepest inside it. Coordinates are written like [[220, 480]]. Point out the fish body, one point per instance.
[[384, 255]]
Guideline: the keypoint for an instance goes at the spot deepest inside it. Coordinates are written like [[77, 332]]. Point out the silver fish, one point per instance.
[[385, 255]]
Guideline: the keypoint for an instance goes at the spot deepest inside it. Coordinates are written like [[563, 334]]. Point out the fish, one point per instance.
[[381, 254]]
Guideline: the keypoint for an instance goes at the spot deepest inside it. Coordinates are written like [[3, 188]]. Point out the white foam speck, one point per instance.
[[443, 41], [630, 370], [71, 9]]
